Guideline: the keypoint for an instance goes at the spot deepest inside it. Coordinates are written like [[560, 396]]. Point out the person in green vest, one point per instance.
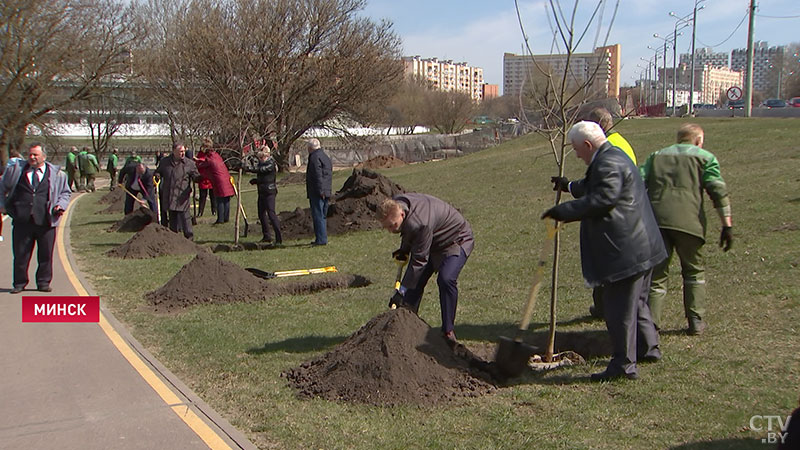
[[675, 178], [111, 167], [88, 166], [71, 167], [602, 117]]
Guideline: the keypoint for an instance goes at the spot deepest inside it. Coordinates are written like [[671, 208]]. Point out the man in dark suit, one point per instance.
[[35, 194], [319, 177], [620, 245], [138, 179], [177, 173], [436, 238]]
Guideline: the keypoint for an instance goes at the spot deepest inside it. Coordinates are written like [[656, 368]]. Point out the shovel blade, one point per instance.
[[512, 356]]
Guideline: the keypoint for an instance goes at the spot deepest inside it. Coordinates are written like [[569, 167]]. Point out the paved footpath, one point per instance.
[[90, 385]]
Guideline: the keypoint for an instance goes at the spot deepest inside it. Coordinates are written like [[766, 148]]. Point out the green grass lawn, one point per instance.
[[701, 395]]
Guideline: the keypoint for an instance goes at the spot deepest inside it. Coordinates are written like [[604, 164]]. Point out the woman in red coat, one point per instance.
[[220, 179], [204, 185]]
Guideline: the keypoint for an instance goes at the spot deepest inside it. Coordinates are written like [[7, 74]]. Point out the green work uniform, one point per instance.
[[676, 178]]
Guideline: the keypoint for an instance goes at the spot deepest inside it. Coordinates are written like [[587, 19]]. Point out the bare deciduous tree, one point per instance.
[[54, 54], [448, 112], [555, 97]]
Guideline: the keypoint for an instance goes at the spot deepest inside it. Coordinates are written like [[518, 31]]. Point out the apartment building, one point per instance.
[[710, 82], [767, 64], [446, 75], [602, 64], [705, 56]]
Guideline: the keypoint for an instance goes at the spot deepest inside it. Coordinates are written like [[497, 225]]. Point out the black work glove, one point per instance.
[[726, 238], [553, 213], [396, 300], [400, 255], [560, 183], [253, 181]]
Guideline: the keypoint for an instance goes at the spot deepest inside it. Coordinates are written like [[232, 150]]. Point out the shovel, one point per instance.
[[241, 208], [512, 354], [289, 273], [400, 264]]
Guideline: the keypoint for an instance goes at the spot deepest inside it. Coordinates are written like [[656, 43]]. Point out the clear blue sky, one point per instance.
[[479, 32]]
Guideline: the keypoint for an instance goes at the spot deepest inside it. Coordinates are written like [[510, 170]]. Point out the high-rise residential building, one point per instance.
[[490, 91], [711, 82], [705, 56], [768, 62], [446, 75], [602, 66]]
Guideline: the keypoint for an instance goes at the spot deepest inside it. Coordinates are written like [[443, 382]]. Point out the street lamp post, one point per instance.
[[694, 34], [681, 23], [664, 65]]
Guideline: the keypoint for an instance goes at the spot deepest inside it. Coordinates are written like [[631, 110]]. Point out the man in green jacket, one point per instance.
[[111, 167], [71, 167], [88, 165], [676, 177]]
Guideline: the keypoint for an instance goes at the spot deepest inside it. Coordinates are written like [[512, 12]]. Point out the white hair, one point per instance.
[[587, 131], [314, 144]]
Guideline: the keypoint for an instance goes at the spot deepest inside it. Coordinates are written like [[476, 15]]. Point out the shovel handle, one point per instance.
[[527, 312]]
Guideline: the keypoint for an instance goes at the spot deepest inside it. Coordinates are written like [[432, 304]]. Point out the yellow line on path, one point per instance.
[[208, 435]]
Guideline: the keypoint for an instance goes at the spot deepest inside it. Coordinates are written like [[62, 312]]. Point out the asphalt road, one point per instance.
[[90, 385]]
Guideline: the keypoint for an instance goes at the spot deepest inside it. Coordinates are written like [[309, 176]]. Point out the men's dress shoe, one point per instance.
[[606, 376], [315, 244], [266, 239], [45, 289], [15, 290]]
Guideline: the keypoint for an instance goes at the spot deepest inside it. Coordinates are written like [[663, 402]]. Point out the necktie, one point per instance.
[[35, 178]]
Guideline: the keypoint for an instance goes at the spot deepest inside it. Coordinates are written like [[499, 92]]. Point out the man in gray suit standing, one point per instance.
[[437, 238], [620, 245]]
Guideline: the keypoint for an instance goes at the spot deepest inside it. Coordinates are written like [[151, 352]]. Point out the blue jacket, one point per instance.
[[619, 233], [58, 195], [319, 175]]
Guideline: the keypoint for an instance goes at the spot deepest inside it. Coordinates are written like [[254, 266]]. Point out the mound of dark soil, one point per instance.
[[353, 208], [117, 195], [116, 207], [381, 162], [153, 241], [207, 279], [210, 279], [396, 358], [135, 221]]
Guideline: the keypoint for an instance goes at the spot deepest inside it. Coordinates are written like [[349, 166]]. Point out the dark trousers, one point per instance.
[[266, 209], [113, 175], [449, 270], [207, 193], [181, 221], [319, 214], [629, 324], [223, 209], [24, 236]]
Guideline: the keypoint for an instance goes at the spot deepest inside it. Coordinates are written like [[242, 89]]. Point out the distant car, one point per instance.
[[774, 103], [735, 104], [795, 102]]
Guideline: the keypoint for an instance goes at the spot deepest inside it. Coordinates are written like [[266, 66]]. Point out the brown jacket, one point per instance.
[[431, 231]]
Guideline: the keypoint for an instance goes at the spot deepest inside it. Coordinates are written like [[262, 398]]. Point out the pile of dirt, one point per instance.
[[115, 200], [396, 358], [293, 178], [115, 196], [210, 279], [381, 162], [353, 208], [135, 221], [153, 241]]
